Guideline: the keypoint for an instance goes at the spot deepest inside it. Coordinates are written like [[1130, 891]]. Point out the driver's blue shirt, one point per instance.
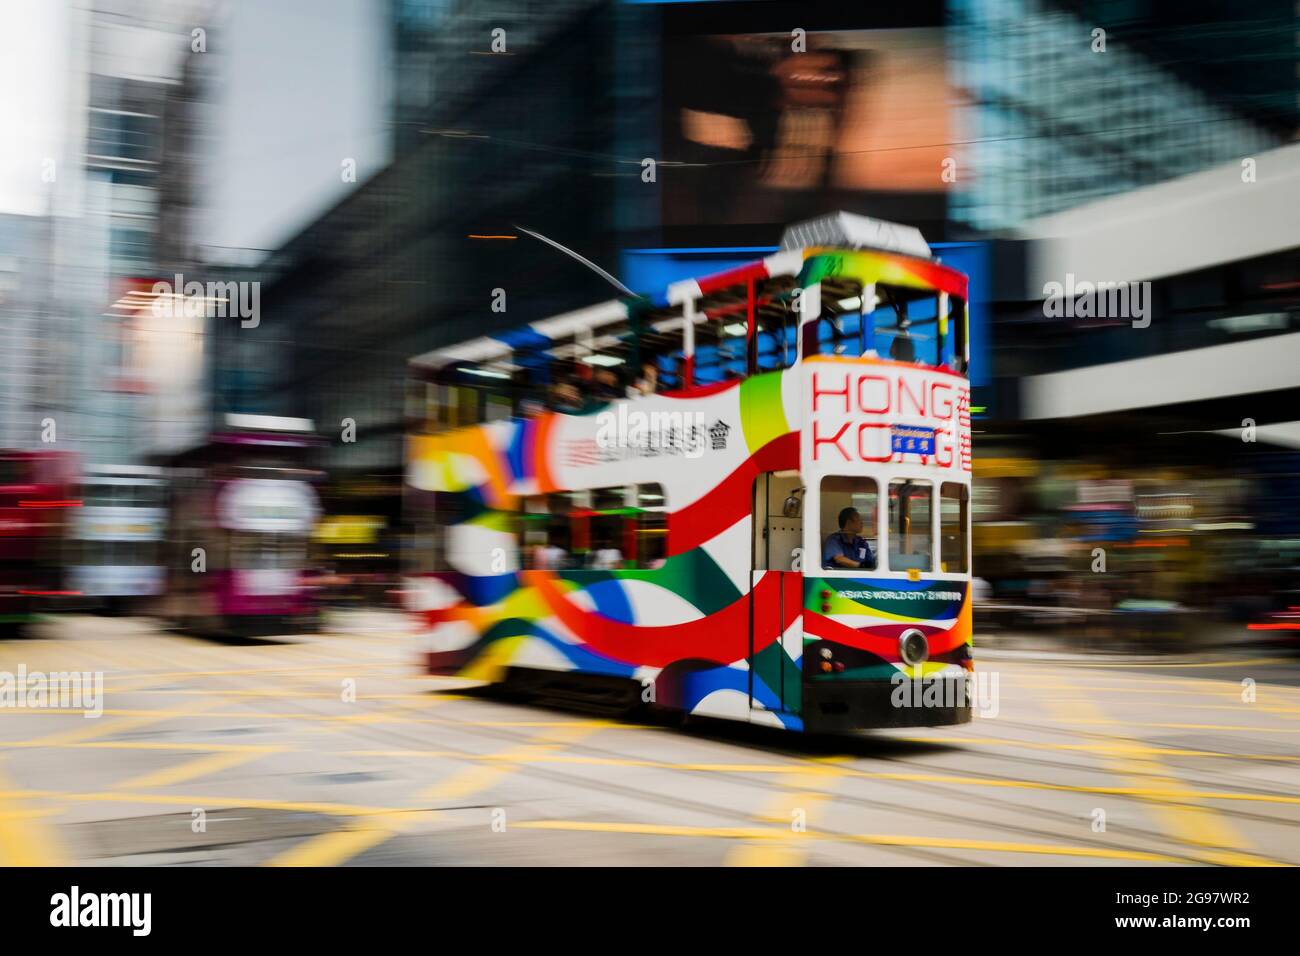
[[854, 548]]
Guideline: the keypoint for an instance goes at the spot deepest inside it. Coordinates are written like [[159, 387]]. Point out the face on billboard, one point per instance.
[[780, 132]]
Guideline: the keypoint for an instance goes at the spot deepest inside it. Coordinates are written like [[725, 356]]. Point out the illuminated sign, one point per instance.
[[864, 412], [912, 439]]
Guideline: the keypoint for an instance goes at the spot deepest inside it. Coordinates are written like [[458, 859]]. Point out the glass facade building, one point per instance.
[[1054, 115]]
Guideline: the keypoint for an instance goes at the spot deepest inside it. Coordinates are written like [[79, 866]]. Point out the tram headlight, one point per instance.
[[913, 647]]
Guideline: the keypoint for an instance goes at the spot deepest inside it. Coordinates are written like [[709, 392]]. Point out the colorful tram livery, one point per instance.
[[243, 507], [676, 539]]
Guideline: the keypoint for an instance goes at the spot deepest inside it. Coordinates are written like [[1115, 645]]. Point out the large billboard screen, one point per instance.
[[775, 127]]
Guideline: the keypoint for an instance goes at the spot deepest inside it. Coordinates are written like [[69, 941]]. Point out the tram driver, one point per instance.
[[847, 548]]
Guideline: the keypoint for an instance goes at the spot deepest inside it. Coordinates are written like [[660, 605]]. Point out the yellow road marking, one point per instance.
[[525, 756], [1230, 727], [132, 720], [189, 800], [1013, 742], [1126, 665], [276, 694], [873, 839], [1127, 701], [765, 854], [200, 746], [373, 717], [199, 767], [807, 788], [396, 666], [331, 849], [335, 847], [1178, 814], [24, 839], [476, 779]]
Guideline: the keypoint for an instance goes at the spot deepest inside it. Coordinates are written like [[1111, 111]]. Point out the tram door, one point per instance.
[[776, 592]]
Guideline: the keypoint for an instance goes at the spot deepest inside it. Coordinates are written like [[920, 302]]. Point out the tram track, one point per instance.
[[391, 734], [1047, 824]]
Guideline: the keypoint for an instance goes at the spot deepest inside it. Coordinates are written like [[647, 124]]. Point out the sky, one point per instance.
[[303, 86], [33, 87]]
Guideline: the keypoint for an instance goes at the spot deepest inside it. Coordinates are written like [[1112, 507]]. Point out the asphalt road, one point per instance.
[[331, 749]]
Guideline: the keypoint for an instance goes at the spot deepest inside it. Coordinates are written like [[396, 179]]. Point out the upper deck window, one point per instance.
[[775, 345], [720, 351], [905, 327], [898, 323]]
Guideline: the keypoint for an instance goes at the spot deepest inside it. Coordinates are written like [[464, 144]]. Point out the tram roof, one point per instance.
[[715, 293]]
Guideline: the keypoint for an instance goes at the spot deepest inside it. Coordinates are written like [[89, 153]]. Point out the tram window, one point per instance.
[[840, 334], [838, 494], [661, 351], [838, 328], [568, 530], [719, 351], [904, 325], [243, 551], [145, 496], [427, 548], [910, 547], [548, 529], [97, 496], [604, 529], [414, 401], [604, 378], [421, 404], [954, 343], [253, 551], [534, 534], [459, 406], [954, 522], [775, 338], [497, 407], [612, 524], [604, 358], [565, 390], [134, 554], [589, 369], [651, 526]]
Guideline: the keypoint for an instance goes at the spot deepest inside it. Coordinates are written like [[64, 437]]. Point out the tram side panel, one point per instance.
[[681, 631]]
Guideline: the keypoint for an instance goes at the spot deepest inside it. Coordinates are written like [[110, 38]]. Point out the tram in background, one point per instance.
[[748, 498], [115, 551], [37, 495], [242, 510]]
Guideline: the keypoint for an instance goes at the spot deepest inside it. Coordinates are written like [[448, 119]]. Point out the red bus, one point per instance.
[[36, 498]]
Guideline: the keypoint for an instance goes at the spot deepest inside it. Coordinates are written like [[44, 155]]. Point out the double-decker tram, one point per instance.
[[115, 551], [748, 498], [242, 509], [37, 496]]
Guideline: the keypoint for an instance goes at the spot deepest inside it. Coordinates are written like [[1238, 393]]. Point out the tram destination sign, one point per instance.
[[879, 412]]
